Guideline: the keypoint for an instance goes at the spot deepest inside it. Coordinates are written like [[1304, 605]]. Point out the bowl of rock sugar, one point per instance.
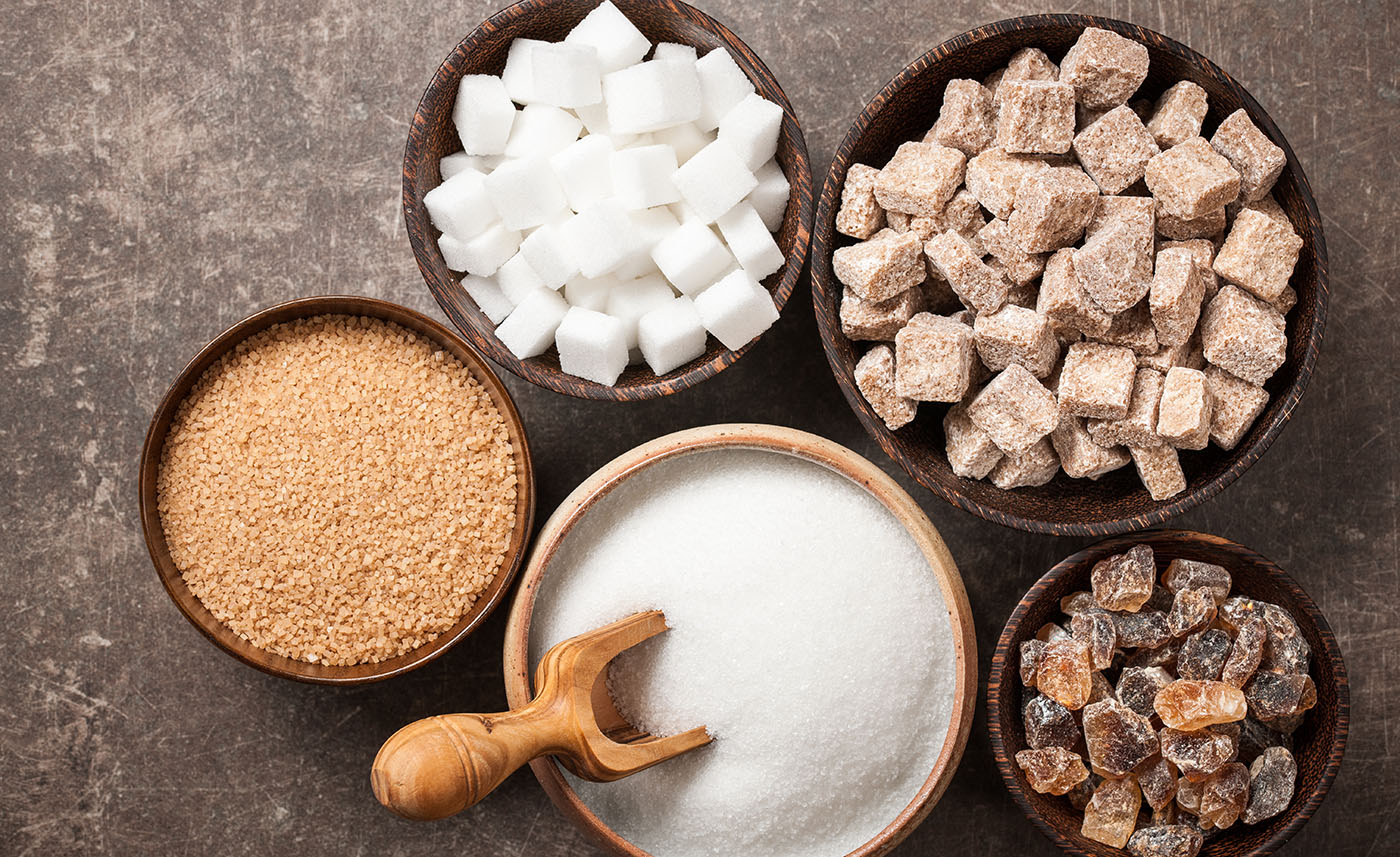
[[611, 200], [831, 655]]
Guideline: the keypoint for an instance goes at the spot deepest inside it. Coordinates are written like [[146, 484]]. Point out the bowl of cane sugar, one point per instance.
[[336, 490], [818, 628]]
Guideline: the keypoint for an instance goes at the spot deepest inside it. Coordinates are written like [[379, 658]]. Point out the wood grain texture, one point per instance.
[[1318, 744], [432, 136], [904, 110]]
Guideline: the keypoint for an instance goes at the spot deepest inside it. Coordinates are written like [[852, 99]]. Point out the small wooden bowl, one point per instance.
[[432, 136], [219, 633], [802, 445], [1318, 744], [904, 110]]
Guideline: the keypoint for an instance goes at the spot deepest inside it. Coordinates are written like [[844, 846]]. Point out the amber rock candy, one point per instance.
[[1157, 779], [1245, 653], [1271, 695], [1285, 650], [1188, 705], [1052, 770], [1203, 654], [1101, 688], [1169, 840], [1078, 602], [1138, 687], [1064, 673], [1192, 610], [1255, 738], [1200, 753], [1118, 738], [1098, 631], [1049, 724], [1124, 582], [1112, 812], [1271, 781], [1190, 574], [1079, 795], [1147, 629], [1224, 795], [1031, 650]]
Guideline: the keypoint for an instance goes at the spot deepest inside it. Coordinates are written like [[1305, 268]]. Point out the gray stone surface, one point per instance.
[[169, 167]]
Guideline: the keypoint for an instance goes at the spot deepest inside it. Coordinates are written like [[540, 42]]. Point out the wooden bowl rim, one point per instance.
[[808, 447], [220, 634], [424, 249], [825, 295], [1078, 563]]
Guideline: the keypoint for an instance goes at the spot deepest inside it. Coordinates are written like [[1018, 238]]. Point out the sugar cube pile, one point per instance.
[[1086, 279], [596, 189], [774, 622]]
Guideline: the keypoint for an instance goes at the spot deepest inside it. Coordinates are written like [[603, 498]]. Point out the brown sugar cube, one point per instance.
[[966, 121], [1104, 68], [1203, 254], [1210, 225], [875, 378], [1259, 254], [1243, 336], [1025, 64], [1014, 334], [920, 178], [971, 453], [1178, 114], [1053, 205], [1266, 206], [1115, 267], [1138, 212], [881, 267], [1085, 116], [1080, 457], [1286, 300], [872, 320], [994, 175], [962, 214], [1191, 179], [1021, 268], [1036, 466], [1176, 295], [1184, 413], [1063, 300], [1237, 405], [1167, 356], [1015, 409], [1253, 155], [1139, 427], [978, 286], [897, 220], [1159, 468], [1018, 295], [1035, 116], [860, 215], [933, 359], [1097, 380], [1133, 329], [1115, 149]]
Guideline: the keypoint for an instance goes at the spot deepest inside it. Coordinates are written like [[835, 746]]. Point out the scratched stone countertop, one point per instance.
[[168, 167]]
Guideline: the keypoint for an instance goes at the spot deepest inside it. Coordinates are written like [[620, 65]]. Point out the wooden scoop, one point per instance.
[[441, 765]]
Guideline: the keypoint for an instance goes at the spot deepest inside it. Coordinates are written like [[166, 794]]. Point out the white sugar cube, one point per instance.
[[632, 299], [651, 96], [595, 120], [460, 206], [654, 224], [618, 42], [671, 335], [483, 114], [592, 345], [684, 213], [751, 129], [722, 85], [549, 255], [529, 329], [714, 180], [639, 264], [584, 169], [692, 257], [736, 310], [525, 192], [517, 279], [770, 198], [519, 74], [566, 75], [454, 253], [460, 162], [686, 139], [641, 177], [489, 298], [483, 254], [750, 241], [602, 238], [590, 294], [540, 130], [672, 52]]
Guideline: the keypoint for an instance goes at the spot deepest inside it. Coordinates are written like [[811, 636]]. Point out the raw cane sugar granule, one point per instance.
[[783, 584], [337, 490]]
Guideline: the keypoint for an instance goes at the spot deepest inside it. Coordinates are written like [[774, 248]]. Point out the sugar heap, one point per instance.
[[807, 634], [625, 211]]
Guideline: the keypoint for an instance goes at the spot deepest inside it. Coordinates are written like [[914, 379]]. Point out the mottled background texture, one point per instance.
[[169, 167]]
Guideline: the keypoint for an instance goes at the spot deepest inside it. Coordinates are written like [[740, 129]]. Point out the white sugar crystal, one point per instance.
[[775, 620], [736, 310], [672, 52], [483, 114], [751, 129], [750, 241], [618, 42], [686, 139], [692, 257], [525, 193], [590, 294], [517, 279], [460, 206], [770, 198], [603, 238], [519, 74], [671, 335], [722, 85], [529, 329], [549, 255], [566, 75], [540, 130], [489, 298], [641, 176], [481, 255], [584, 170], [714, 180], [591, 345], [460, 162], [633, 299], [651, 96]]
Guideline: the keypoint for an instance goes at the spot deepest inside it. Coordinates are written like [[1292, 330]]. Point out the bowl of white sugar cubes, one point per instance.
[[610, 199], [1069, 274]]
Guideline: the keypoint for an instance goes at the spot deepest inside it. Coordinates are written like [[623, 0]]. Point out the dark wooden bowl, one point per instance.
[[219, 633], [1318, 744], [904, 110], [432, 136]]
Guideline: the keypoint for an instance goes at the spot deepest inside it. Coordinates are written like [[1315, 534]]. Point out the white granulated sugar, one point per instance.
[[808, 634]]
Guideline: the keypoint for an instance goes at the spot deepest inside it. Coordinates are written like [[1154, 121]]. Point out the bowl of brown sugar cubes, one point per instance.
[[1170, 693], [1069, 274]]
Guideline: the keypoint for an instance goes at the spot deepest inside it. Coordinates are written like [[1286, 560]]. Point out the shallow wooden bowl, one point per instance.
[[432, 135], [789, 442], [904, 110], [1318, 744], [219, 633]]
